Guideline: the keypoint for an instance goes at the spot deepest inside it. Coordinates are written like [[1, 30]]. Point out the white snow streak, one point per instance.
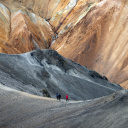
[[5, 10]]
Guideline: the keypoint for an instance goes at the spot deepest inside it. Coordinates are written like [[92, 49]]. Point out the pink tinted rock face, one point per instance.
[[99, 40]]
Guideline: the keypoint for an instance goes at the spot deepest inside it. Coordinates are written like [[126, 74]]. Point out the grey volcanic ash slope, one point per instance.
[[22, 110], [46, 69]]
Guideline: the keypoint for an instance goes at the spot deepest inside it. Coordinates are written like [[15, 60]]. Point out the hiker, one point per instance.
[[67, 97], [59, 96]]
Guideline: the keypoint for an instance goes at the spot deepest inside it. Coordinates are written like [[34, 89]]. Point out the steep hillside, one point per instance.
[[22, 110], [45, 69], [22, 31], [92, 33], [99, 40]]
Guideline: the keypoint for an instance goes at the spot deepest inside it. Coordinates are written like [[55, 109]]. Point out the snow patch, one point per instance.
[[17, 13], [53, 42], [47, 23], [5, 10], [71, 4], [34, 18]]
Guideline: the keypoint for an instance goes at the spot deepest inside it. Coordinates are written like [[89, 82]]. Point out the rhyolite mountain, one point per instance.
[[54, 46], [92, 33], [45, 69]]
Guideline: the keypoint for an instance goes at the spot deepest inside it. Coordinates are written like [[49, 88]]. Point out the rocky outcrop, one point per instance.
[[40, 70]]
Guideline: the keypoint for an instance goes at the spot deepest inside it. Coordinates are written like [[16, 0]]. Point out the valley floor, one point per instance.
[[22, 110]]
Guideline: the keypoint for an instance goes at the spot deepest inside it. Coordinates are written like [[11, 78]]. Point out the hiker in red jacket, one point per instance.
[[66, 97]]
